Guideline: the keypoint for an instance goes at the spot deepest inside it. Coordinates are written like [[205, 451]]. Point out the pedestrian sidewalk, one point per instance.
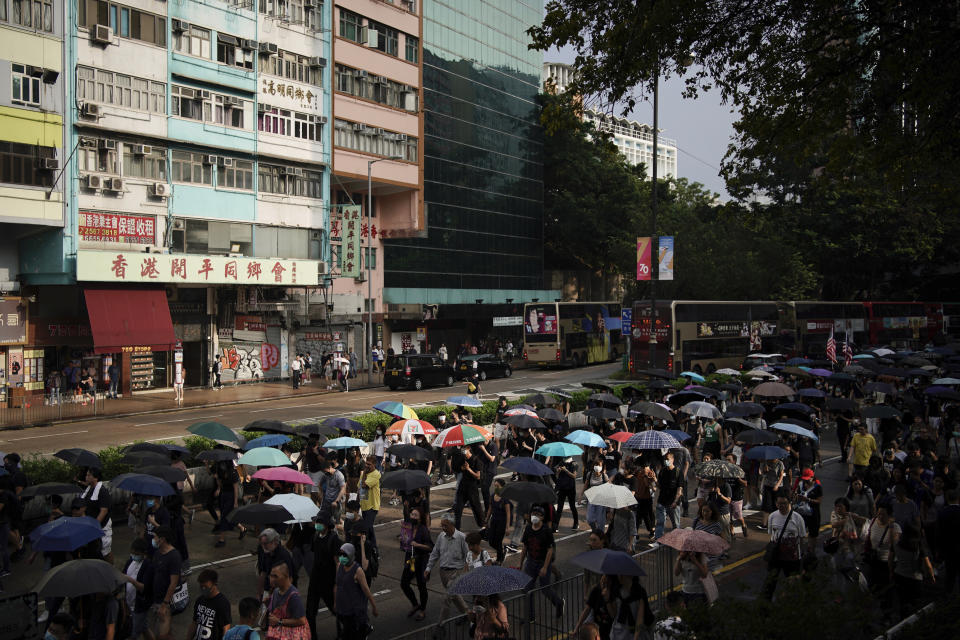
[[162, 400]]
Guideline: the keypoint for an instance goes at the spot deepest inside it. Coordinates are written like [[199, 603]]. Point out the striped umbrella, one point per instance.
[[411, 427], [462, 434], [520, 411], [396, 409]]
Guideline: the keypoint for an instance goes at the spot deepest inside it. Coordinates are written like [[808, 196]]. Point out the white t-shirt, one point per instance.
[[131, 592], [379, 444], [474, 561], [875, 531], [295, 364], [795, 527]]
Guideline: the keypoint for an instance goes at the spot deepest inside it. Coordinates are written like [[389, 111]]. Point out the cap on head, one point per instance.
[[348, 550], [807, 474]]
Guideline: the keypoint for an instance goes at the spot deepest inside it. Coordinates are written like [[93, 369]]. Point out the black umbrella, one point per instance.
[[148, 446], [315, 429], [559, 392], [659, 384], [608, 562], [79, 457], [168, 473], [857, 370], [410, 451], [217, 455], [707, 391], [881, 411], [841, 377], [841, 404], [735, 424], [683, 397], [260, 514], [524, 421], [540, 399], [597, 385], [880, 387], [921, 373], [271, 426], [729, 386], [405, 480], [76, 578], [49, 489], [651, 409], [528, 492], [605, 398], [552, 415], [145, 458], [717, 469], [603, 413], [740, 409], [756, 436]]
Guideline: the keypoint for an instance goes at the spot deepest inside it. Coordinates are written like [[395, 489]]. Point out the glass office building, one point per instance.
[[483, 168]]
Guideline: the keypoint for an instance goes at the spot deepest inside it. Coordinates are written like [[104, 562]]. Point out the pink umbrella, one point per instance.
[[697, 541], [283, 474]]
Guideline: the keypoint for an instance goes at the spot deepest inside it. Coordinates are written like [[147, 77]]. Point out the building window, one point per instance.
[[213, 238], [229, 52], [18, 164], [293, 66], [350, 25], [97, 155], [377, 88], [107, 87], [138, 162], [388, 39], [195, 41], [368, 139], [125, 22], [231, 111], [190, 103], [371, 254], [25, 84], [289, 123], [33, 14], [191, 167], [239, 175], [412, 46], [291, 181]]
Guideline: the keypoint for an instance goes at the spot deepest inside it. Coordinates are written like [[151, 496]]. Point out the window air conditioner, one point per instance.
[[107, 144], [179, 26], [358, 126], [225, 162], [209, 159], [161, 190], [101, 34], [141, 149], [48, 164], [318, 62], [91, 181], [89, 110], [268, 49], [248, 45]]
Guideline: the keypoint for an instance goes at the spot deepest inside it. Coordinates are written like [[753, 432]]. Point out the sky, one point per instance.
[[701, 127]]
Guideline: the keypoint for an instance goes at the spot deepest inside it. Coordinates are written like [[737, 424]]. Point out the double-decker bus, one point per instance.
[[706, 335], [815, 320], [571, 333], [903, 325]]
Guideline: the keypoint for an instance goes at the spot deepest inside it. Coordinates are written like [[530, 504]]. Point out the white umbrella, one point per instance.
[[946, 381], [301, 508], [700, 409], [728, 372], [883, 352], [614, 496], [760, 373], [341, 359]]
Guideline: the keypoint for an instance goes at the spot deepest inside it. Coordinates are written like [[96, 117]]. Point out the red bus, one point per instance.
[[903, 324]]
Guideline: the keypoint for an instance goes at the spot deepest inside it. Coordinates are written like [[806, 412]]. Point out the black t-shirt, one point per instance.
[[537, 542], [611, 461], [564, 481], [473, 463], [8, 501], [266, 561], [736, 490], [491, 465], [211, 615], [164, 565], [669, 481], [313, 460], [529, 441], [228, 477], [598, 605], [721, 506], [92, 507], [456, 460]]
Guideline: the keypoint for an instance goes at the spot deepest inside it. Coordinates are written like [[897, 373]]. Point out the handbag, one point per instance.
[[280, 632], [771, 551], [871, 555], [832, 545], [180, 599], [710, 588]]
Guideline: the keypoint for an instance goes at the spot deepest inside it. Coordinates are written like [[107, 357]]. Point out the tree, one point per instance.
[[848, 120]]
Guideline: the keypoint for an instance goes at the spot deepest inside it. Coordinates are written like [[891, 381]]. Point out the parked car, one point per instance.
[[485, 366], [416, 371], [754, 360]]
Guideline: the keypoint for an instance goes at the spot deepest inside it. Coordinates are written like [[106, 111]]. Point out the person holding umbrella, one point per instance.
[[96, 501], [536, 559]]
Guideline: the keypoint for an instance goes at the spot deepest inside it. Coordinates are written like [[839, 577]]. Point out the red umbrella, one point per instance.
[[283, 474], [692, 540], [622, 436]]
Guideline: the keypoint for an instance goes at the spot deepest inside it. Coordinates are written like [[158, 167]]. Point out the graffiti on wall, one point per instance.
[[249, 360]]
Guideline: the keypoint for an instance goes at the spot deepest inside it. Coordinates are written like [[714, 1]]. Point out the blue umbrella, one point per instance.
[[810, 392], [679, 435], [608, 562], [65, 534], [527, 466], [269, 440], [586, 438], [489, 580], [693, 376], [343, 443], [935, 390], [142, 484], [559, 450], [264, 457], [766, 453], [343, 423], [651, 440], [792, 428], [464, 401]]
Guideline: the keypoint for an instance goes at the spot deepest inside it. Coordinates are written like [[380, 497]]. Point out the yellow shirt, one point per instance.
[[863, 446], [372, 500]]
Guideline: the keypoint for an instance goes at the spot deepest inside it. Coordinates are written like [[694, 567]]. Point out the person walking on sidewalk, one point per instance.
[[345, 368], [449, 555], [217, 372], [113, 372], [177, 385], [295, 369], [307, 368]]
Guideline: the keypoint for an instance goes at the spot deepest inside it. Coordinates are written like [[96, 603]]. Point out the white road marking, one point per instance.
[[295, 406], [216, 562], [193, 419], [49, 435]]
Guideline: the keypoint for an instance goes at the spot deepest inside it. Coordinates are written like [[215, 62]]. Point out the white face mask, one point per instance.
[[349, 515], [598, 468], [534, 520]]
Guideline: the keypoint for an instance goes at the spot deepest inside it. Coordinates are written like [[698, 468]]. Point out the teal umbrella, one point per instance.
[[559, 450], [215, 431], [343, 443], [264, 457]]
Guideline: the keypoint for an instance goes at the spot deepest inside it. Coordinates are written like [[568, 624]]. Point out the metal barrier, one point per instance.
[[34, 410], [533, 617]]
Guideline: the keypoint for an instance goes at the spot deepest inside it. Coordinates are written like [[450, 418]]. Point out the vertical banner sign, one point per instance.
[[351, 241], [643, 258], [665, 258]]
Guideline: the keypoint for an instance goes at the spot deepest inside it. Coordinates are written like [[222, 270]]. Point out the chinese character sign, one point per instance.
[[665, 257], [118, 266], [643, 258], [13, 321], [117, 227], [352, 223]]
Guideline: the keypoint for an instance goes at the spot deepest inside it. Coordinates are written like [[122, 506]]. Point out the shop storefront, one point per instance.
[[14, 358]]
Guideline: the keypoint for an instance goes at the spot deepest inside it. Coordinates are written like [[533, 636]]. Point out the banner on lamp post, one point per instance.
[[351, 241], [665, 258], [643, 258]]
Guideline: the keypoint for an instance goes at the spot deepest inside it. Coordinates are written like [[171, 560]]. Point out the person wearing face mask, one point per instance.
[[416, 543], [326, 544], [670, 490], [498, 515], [211, 611], [139, 571], [351, 595], [166, 579], [536, 559], [596, 514], [155, 515], [379, 448]]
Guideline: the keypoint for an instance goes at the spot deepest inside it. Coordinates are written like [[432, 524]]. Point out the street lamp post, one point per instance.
[[654, 240], [370, 164]]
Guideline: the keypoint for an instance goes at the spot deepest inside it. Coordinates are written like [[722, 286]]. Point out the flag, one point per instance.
[[847, 351], [832, 348]]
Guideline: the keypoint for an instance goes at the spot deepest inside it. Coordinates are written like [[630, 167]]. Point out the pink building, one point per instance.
[[378, 126]]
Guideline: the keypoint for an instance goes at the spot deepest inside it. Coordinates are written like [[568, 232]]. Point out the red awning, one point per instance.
[[129, 318]]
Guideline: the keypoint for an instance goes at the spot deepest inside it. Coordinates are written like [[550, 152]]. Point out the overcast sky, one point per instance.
[[701, 127]]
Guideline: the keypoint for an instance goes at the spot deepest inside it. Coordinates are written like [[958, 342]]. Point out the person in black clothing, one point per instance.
[[211, 611], [139, 589], [326, 544], [314, 464], [611, 458], [270, 553], [96, 500], [565, 472], [468, 488], [227, 493], [498, 515], [843, 421], [537, 558], [948, 531], [166, 579], [489, 455], [670, 491]]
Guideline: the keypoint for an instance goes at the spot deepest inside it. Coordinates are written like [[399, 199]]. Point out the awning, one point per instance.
[[128, 319]]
